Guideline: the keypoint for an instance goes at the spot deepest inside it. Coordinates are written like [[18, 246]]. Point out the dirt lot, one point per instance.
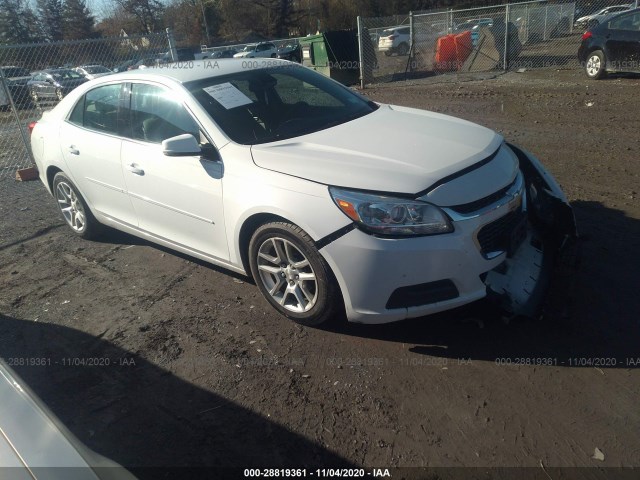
[[195, 369]]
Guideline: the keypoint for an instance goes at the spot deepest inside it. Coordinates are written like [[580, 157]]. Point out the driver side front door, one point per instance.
[[177, 199]]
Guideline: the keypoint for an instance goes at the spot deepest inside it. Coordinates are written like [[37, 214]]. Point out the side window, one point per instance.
[[77, 113], [101, 109], [155, 116], [626, 22]]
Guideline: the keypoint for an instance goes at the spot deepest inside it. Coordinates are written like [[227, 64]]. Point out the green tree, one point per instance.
[[16, 22], [50, 19], [148, 13], [78, 21]]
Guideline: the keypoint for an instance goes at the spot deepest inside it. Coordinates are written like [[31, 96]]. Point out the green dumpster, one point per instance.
[[334, 54]]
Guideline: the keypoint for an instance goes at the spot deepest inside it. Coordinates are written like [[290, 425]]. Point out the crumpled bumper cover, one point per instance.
[[520, 283]]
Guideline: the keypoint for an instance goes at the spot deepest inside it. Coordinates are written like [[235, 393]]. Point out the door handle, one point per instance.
[[73, 150], [133, 168]]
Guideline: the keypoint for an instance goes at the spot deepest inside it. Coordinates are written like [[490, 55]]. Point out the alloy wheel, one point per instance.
[[71, 206], [287, 275]]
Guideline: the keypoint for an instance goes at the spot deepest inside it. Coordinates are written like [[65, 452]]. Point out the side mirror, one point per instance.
[[184, 145]]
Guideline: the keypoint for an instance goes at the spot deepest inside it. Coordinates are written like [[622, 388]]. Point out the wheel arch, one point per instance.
[[255, 221], [249, 226], [52, 170]]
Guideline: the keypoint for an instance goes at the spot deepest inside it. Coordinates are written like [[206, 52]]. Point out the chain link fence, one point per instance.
[[35, 77], [527, 35]]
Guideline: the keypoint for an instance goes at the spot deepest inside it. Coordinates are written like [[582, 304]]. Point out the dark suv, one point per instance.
[[16, 79], [612, 46]]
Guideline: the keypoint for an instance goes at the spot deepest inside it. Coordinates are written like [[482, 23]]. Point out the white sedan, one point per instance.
[[330, 201]]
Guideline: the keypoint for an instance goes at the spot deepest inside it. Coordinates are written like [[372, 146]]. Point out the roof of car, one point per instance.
[[198, 69]]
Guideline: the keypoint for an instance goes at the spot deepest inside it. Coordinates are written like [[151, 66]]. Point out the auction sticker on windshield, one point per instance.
[[227, 95]]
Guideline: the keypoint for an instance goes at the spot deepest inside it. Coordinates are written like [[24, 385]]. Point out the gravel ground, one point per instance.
[[154, 359]]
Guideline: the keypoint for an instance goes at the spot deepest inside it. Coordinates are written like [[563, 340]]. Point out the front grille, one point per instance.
[[483, 202], [422, 294], [503, 234]]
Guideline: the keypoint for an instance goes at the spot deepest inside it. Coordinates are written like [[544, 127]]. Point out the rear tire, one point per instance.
[[73, 208], [595, 66], [292, 275]]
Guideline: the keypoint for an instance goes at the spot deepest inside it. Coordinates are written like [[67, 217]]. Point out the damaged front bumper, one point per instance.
[[519, 284]]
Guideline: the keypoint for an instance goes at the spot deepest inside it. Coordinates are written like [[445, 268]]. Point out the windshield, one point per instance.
[[96, 69], [65, 75], [265, 105]]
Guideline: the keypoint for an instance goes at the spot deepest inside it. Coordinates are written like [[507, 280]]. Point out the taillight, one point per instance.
[[31, 126], [586, 35], [391, 37]]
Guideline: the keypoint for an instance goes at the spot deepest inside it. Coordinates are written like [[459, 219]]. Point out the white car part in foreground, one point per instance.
[[35, 445]]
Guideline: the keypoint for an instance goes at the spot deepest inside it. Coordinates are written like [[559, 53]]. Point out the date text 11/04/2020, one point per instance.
[[571, 362], [319, 472]]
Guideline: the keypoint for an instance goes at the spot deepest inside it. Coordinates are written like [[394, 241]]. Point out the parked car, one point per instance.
[[395, 40], [54, 83], [287, 175], [225, 53], [34, 444], [16, 79], [259, 50], [613, 46], [600, 16], [473, 24], [93, 71], [290, 51]]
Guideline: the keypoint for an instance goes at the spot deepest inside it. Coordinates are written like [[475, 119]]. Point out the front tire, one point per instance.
[[292, 275], [403, 49], [73, 208], [595, 67]]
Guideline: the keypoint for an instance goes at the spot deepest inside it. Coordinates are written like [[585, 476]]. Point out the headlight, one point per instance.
[[391, 216]]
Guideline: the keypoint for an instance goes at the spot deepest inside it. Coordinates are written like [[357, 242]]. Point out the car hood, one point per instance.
[[394, 149], [242, 54]]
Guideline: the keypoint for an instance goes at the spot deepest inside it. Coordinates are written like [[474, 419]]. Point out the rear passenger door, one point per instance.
[[623, 43], [90, 140], [178, 199]]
